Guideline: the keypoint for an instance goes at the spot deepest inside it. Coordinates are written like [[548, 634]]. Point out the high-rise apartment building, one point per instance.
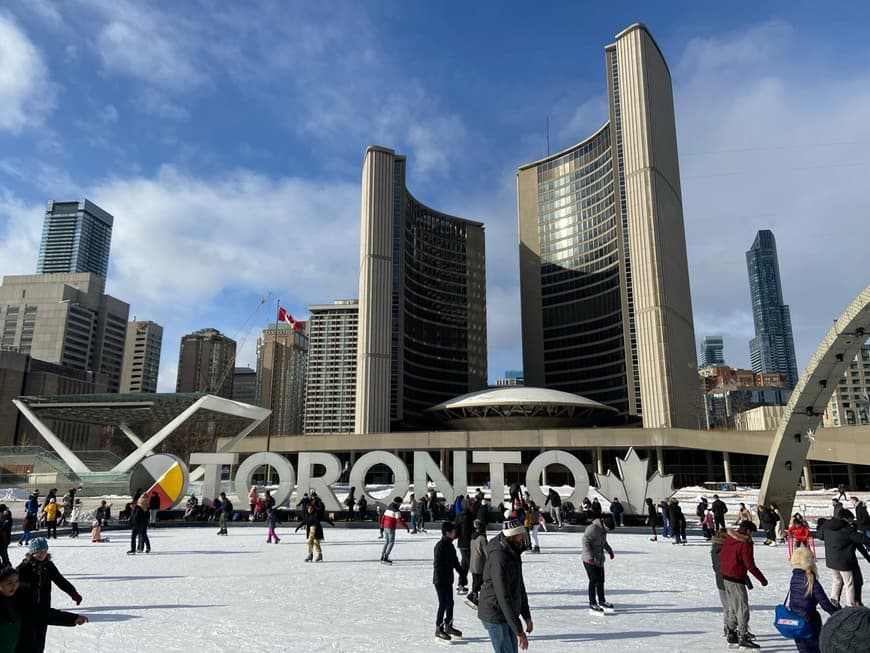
[[850, 403], [66, 319], [422, 302], [141, 356], [330, 382], [604, 281], [76, 237], [282, 354], [206, 362], [245, 385], [772, 348], [712, 352]]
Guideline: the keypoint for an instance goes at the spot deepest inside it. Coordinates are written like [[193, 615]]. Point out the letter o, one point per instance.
[[369, 460], [577, 469], [280, 464]]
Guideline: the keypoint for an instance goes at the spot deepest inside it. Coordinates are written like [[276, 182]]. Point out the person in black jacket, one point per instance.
[[5, 533], [444, 564], [16, 609], [36, 573], [153, 507], [503, 599], [314, 532], [138, 530], [841, 541], [554, 500], [677, 520], [464, 532], [720, 509], [651, 518], [862, 519]]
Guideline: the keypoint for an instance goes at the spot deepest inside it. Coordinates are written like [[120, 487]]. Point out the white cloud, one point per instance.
[[158, 104], [21, 233], [26, 93]]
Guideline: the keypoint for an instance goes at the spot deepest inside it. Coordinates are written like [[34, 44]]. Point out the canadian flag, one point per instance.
[[284, 316]]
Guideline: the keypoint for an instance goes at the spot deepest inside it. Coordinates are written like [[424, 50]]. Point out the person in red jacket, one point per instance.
[[391, 517], [736, 562], [799, 531]]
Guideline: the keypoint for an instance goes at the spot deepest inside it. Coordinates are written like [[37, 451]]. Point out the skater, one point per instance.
[[313, 532], [664, 506], [253, 497], [391, 517], [444, 564], [36, 573], [349, 502], [651, 518], [594, 546], [74, 517], [736, 562], [677, 521], [272, 522], [478, 560], [708, 525], [225, 512], [720, 509], [139, 527], [743, 514], [799, 532], [463, 535], [862, 518], [779, 525], [701, 509], [841, 541], [153, 507], [303, 505], [836, 507], [716, 543], [617, 510], [555, 503], [414, 509], [805, 593], [21, 620], [363, 507], [31, 509], [50, 513], [503, 598], [768, 517], [534, 526]]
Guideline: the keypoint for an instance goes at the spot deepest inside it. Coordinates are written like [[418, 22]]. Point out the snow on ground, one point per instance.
[[204, 593]]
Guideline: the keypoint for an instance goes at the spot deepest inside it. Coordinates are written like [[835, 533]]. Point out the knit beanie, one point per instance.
[[846, 631], [37, 544], [513, 527]]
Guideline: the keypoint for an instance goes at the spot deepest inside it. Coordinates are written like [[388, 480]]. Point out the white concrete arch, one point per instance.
[[808, 402]]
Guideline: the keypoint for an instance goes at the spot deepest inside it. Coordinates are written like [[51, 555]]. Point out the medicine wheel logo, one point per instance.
[[164, 474]]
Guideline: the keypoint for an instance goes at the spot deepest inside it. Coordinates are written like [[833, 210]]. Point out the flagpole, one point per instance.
[[272, 391]]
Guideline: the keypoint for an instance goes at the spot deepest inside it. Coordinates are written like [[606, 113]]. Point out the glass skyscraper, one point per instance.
[[76, 237], [772, 348], [604, 282], [712, 351]]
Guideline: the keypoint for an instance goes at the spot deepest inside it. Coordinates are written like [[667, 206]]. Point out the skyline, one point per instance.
[[769, 136]]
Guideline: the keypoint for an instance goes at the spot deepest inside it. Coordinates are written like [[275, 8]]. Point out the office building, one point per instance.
[[772, 348], [141, 356], [422, 302], [282, 354], [712, 352], [850, 403], [510, 378], [330, 383], [245, 385], [65, 319], [604, 281], [76, 237], [206, 362]]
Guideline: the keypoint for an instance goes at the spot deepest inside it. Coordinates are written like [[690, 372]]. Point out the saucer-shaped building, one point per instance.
[[522, 407]]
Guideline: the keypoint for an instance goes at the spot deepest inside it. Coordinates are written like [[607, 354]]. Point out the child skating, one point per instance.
[[271, 523]]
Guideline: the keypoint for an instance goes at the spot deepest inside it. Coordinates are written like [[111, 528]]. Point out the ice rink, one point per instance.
[[200, 592]]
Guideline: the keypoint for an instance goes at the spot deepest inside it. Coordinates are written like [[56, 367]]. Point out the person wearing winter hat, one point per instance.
[[848, 631], [390, 518], [36, 573], [594, 546], [805, 593], [736, 562], [503, 599]]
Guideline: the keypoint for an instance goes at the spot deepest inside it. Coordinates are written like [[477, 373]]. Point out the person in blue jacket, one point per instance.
[[805, 594]]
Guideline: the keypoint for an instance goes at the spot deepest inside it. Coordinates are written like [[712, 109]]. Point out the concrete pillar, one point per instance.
[[660, 461], [808, 477], [442, 462], [850, 473], [544, 474], [726, 464], [599, 461]]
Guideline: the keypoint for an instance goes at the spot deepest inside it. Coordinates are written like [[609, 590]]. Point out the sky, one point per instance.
[[227, 139]]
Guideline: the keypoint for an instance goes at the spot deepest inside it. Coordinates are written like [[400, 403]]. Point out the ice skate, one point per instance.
[[461, 589], [746, 644], [450, 630], [653, 539], [309, 557], [595, 609], [319, 558], [607, 607], [732, 639], [131, 553], [471, 600], [386, 561], [440, 635]]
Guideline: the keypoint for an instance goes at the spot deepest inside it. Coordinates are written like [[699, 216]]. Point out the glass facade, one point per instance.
[[712, 352], [580, 230], [76, 237], [772, 348]]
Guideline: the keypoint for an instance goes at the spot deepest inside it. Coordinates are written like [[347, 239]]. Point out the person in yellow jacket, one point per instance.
[[51, 515]]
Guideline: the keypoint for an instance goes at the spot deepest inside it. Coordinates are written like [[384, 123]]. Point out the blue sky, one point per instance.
[[227, 140]]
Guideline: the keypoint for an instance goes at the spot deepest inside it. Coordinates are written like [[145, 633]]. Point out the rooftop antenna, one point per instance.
[[548, 135]]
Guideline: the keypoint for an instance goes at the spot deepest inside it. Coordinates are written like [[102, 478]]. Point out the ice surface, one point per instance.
[[203, 593]]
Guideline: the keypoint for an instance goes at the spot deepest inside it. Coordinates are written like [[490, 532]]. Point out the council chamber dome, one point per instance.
[[522, 407]]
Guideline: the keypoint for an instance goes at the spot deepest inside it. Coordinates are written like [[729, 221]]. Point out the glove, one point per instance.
[[764, 583], [77, 598], [611, 555]]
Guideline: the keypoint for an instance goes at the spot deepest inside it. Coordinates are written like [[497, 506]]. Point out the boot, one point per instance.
[[731, 638], [309, 557], [746, 644], [450, 630], [440, 634], [654, 539], [319, 558]]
